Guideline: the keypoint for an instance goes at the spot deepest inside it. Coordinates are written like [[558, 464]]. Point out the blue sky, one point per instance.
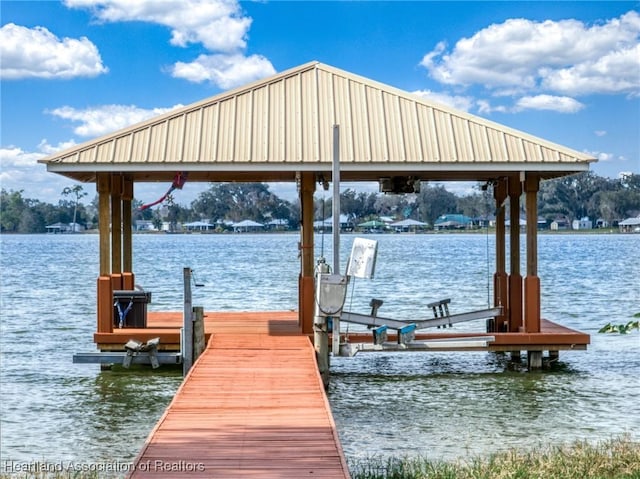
[[70, 71]]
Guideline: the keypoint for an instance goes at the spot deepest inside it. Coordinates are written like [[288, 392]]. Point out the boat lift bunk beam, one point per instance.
[[375, 321]]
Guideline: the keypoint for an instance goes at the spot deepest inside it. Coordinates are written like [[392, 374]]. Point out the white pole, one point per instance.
[[335, 343], [336, 199]]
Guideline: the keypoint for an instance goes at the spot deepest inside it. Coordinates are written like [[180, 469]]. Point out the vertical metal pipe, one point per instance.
[[336, 199]]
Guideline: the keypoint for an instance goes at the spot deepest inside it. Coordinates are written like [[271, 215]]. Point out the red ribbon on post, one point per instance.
[[178, 182]]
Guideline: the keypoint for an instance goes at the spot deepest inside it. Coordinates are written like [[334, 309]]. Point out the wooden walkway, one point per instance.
[[253, 406]]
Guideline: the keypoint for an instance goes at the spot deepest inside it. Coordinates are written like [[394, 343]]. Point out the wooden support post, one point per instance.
[[104, 305], [515, 279], [500, 278], [554, 355], [531, 281], [103, 185], [198, 332], [127, 233], [104, 296], [116, 281], [187, 323], [116, 224], [128, 281], [306, 281]]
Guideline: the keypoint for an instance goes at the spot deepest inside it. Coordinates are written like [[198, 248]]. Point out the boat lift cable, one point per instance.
[[322, 228], [487, 253]]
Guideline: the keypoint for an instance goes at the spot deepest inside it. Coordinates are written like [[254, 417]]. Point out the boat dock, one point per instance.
[[166, 325], [253, 405]]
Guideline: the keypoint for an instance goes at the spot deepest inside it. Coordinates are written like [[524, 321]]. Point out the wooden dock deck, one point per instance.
[[253, 405], [166, 326]]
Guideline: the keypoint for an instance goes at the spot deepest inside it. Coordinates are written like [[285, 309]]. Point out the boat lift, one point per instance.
[[331, 290]]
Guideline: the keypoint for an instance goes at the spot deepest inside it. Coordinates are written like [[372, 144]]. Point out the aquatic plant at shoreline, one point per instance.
[[620, 328], [614, 459]]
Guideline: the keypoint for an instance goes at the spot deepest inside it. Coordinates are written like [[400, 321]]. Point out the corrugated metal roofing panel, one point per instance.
[[394, 130], [175, 139], [360, 122], [104, 154], [288, 119], [122, 149], [260, 125], [326, 112], [478, 135], [157, 143], [412, 137], [140, 139], [309, 123], [192, 136], [461, 139], [276, 152], [226, 135], [209, 141], [244, 128], [375, 105], [292, 120], [342, 111]]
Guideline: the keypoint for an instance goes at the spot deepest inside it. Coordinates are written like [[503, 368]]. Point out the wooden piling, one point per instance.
[[199, 343]]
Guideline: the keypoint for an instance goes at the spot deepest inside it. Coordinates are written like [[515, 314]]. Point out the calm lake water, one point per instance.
[[443, 405]]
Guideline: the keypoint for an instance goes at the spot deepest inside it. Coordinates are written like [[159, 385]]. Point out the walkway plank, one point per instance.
[[252, 406]]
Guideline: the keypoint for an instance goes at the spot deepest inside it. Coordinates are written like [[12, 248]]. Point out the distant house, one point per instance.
[[57, 228], [246, 226], [327, 225], [278, 225], [64, 228], [582, 224], [199, 226], [484, 221], [602, 223], [630, 225], [452, 222], [144, 225], [560, 224]]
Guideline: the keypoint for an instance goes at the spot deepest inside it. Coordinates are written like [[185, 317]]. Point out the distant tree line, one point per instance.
[[571, 197]]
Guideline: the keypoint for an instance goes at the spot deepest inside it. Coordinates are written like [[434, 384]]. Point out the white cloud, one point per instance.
[[615, 72], [463, 103], [602, 156], [561, 104], [485, 107], [226, 71], [20, 170], [104, 119], [219, 25], [566, 57], [38, 53], [600, 132]]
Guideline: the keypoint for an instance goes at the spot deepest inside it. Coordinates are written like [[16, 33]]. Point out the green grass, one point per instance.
[[614, 459]]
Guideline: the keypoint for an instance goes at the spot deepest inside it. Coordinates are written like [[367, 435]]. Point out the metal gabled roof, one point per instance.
[[270, 129]]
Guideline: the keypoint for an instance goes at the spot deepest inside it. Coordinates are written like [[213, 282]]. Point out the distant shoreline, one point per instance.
[[599, 231]]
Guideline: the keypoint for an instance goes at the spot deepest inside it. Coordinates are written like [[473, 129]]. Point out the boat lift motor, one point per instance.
[[331, 291]]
